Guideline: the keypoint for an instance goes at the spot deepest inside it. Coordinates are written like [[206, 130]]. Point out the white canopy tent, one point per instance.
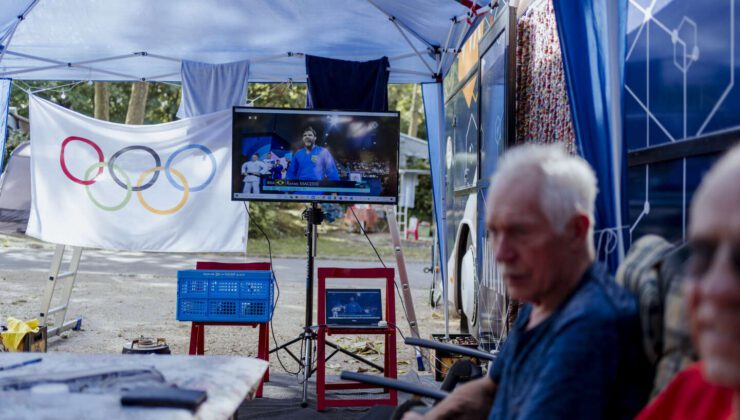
[[143, 40]]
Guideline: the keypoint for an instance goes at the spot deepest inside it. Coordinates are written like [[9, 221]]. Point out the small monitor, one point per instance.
[[315, 156], [353, 307]]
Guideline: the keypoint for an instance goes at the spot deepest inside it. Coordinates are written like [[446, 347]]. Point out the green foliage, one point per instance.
[[162, 101], [14, 139], [276, 219], [277, 95], [423, 199], [399, 99]]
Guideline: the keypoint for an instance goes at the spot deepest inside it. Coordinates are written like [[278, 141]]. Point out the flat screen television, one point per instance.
[[281, 154]]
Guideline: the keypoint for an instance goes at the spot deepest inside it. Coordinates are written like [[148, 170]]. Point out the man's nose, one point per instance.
[[502, 249]]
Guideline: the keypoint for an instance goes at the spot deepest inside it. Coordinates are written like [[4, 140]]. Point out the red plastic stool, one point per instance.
[[198, 330]]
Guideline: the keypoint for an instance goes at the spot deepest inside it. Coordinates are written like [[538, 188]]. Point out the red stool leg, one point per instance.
[[320, 370], [193, 339], [201, 347], [264, 347], [391, 368]]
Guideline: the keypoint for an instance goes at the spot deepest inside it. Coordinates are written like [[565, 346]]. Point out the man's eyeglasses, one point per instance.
[[703, 253]]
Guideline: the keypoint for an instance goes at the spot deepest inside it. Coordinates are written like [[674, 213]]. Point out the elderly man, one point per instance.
[[574, 351], [707, 389]]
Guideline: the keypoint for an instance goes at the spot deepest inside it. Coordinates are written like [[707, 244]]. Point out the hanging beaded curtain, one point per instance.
[[542, 109]]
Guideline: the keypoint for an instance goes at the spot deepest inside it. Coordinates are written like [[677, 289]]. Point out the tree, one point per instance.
[[399, 99], [137, 103], [102, 101]]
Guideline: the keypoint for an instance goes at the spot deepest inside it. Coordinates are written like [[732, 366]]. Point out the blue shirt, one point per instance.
[[585, 361], [316, 165]]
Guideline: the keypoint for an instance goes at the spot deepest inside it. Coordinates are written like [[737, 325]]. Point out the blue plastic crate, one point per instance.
[[224, 295]]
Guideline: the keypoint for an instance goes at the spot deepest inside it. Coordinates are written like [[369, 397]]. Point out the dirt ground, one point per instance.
[[118, 305]]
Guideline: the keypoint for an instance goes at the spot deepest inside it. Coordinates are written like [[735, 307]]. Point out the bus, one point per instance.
[[681, 111], [479, 127]]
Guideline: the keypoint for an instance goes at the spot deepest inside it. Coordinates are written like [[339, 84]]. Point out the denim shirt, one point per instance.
[[585, 361]]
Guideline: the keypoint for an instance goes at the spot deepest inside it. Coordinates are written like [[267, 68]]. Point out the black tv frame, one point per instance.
[[236, 162]]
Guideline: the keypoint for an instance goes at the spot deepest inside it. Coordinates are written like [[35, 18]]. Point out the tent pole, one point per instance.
[[446, 45], [401, 56], [58, 64], [417, 36], [408, 41], [21, 17]]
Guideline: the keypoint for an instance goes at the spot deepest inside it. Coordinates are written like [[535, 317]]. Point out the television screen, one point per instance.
[[309, 155]]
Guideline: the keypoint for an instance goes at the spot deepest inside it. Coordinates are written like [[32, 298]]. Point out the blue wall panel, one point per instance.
[[680, 83]]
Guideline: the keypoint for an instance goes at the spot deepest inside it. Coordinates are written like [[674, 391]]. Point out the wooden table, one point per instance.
[[227, 380]]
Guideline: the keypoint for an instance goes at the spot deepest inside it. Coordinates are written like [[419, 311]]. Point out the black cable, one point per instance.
[[362, 229], [398, 291], [277, 287]]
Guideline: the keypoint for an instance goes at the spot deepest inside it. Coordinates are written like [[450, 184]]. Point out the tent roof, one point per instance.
[[88, 33]]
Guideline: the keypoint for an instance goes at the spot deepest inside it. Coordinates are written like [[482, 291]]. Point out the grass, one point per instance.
[[336, 243]]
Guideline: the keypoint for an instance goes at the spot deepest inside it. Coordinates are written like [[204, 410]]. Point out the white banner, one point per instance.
[[163, 187]]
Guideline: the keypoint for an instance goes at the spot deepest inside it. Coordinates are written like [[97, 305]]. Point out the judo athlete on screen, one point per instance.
[[312, 163], [252, 170]]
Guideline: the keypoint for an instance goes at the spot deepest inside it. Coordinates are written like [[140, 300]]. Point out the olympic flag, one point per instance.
[[163, 187]]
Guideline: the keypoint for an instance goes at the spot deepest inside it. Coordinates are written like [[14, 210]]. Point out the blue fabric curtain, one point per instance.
[[433, 97], [5, 85], [592, 40], [347, 85]]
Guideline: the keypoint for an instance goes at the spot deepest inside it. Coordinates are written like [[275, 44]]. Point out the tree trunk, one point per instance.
[[414, 124], [137, 103], [102, 101]]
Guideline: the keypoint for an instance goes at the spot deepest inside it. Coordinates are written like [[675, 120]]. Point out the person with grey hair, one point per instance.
[[574, 350], [710, 389]]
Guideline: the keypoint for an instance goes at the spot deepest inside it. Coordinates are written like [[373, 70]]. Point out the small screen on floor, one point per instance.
[[353, 306]]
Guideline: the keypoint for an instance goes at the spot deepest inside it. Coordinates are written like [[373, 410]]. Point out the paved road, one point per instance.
[[288, 270]]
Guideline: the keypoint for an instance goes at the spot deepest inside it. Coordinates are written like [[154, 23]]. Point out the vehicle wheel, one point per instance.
[[432, 292], [469, 291]]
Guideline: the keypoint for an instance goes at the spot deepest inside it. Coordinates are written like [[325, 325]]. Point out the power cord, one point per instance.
[[277, 288], [398, 291]]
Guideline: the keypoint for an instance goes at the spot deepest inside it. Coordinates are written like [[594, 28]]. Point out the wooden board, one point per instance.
[[227, 380]]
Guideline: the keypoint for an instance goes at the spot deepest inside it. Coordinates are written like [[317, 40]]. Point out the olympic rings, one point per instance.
[[64, 164], [205, 150], [118, 206], [157, 162], [140, 186], [172, 210]]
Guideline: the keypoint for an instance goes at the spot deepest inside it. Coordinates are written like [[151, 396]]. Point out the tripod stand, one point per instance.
[[313, 217]]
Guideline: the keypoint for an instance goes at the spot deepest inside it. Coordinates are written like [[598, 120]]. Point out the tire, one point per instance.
[[468, 321]]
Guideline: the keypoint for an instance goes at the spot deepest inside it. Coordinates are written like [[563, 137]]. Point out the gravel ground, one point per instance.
[[121, 295]]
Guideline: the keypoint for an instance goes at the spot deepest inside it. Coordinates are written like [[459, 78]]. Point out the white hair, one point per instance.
[[725, 167], [568, 183]]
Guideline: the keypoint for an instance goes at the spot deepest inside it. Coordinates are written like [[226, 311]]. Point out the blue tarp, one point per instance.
[[433, 96], [5, 85], [592, 40]]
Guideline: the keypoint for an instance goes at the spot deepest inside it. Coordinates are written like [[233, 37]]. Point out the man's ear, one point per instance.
[[577, 229]]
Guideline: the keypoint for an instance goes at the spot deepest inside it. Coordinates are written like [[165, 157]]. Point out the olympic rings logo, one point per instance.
[[121, 178]]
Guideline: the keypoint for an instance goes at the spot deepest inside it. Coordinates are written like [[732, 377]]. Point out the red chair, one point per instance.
[[388, 333], [198, 330], [413, 228]]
